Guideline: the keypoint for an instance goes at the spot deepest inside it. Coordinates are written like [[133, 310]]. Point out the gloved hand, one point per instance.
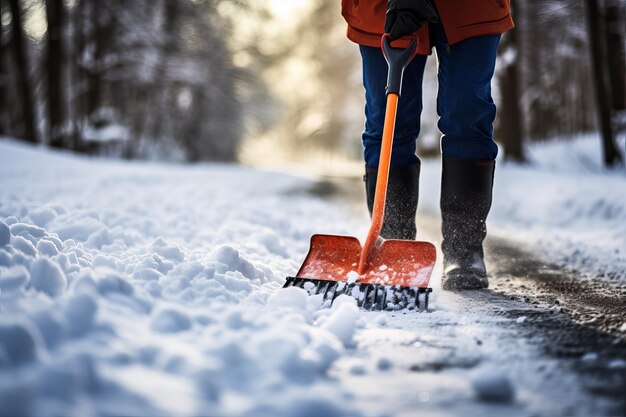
[[404, 17]]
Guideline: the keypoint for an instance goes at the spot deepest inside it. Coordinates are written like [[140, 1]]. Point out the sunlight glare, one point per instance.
[[284, 10]]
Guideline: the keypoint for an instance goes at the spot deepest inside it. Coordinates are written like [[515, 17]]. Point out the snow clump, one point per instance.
[[290, 297], [493, 385], [47, 277], [343, 320], [5, 234], [19, 343], [170, 321], [14, 278]]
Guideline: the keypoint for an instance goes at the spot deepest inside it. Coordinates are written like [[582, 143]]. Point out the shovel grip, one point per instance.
[[397, 59]]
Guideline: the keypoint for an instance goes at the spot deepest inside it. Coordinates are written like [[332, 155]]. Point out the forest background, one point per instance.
[[265, 82]]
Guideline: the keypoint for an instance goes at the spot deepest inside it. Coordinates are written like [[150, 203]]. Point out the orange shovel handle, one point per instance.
[[397, 63], [378, 212]]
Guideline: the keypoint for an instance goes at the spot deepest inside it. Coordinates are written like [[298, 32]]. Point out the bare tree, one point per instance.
[[28, 129], [74, 96], [102, 31], [603, 98], [56, 103], [555, 83], [510, 127], [4, 80], [615, 27]]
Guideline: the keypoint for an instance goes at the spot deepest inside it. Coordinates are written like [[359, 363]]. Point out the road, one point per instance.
[[555, 337]]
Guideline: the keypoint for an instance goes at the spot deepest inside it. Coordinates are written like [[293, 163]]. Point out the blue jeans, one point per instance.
[[464, 104]]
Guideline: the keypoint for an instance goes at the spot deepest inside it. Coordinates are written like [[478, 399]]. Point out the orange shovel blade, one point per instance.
[[331, 258], [390, 262]]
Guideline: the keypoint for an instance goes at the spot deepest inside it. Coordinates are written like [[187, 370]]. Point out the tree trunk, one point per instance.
[[616, 57], [28, 130], [171, 17], [56, 103], [510, 124], [76, 76], [96, 67], [598, 58], [511, 128], [190, 138], [4, 81]]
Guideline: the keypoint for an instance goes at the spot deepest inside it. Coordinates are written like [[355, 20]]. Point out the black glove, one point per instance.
[[404, 17]]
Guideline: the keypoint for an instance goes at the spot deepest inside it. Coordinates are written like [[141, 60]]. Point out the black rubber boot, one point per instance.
[[466, 189], [401, 204]]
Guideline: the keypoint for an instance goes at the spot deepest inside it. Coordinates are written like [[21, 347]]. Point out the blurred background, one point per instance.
[[272, 82]]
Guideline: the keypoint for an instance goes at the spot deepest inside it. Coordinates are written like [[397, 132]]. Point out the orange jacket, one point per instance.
[[461, 19]]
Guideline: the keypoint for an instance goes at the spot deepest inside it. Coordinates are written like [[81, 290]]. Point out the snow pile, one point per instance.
[[135, 289], [563, 205]]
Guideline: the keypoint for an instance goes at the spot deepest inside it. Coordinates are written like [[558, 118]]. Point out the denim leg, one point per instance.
[[464, 104], [409, 108]]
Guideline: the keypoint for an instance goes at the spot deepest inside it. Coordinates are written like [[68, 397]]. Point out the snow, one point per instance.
[[154, 289], [24, 246], [46, 247], [589, 357], [79, 312], [47, 276], [19, 343], [353, 276], [343, 319], [5, 234], [170, 321], [111, 132], [617, 364], [14, 278], [147, 289], [563, 206], [292, 297], [493, 385], [384, 364]]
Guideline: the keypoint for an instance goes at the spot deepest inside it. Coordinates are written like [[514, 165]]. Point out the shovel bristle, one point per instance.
[[368, 296]]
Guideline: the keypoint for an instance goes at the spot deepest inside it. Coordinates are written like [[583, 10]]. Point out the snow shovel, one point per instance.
[[384, 274]]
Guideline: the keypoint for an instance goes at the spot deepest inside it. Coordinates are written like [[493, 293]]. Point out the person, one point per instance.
[[465, 35]]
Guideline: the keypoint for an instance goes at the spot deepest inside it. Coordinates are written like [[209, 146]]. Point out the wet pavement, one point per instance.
[[561, 337]]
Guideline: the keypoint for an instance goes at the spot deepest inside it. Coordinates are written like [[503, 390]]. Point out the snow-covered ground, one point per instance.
[[563, 206], [135, 289], [154, 289]]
